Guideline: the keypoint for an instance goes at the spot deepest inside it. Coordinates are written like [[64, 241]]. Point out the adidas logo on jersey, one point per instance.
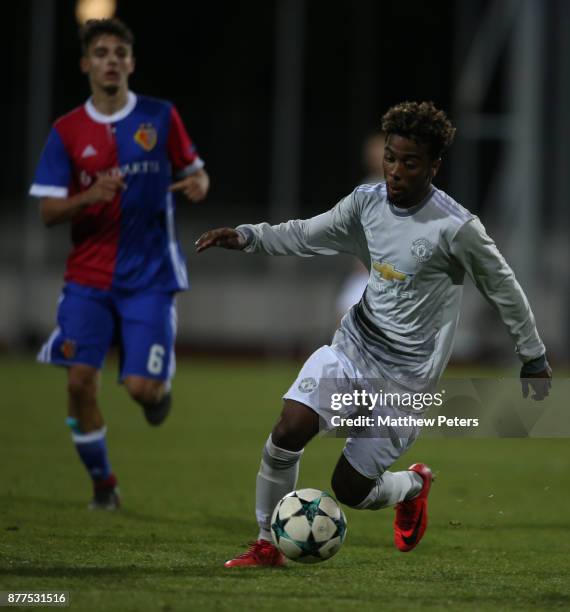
[[89, 151]]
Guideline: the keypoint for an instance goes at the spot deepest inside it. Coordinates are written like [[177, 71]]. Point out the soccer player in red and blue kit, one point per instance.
[[109, 168]]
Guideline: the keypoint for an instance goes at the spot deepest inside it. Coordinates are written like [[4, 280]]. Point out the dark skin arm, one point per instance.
[[223, 237]]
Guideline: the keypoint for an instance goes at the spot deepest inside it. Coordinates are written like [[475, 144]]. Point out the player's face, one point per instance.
[[109, 63], [409, 169]]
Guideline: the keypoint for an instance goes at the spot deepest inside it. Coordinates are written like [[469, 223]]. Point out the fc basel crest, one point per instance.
[[68, 349], [145, 136]]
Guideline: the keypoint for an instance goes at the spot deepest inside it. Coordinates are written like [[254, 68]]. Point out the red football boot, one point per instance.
[[411, 515], [259, 554]]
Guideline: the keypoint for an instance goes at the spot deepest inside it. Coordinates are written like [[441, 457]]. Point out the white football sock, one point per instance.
[[277, 476], [392, 488]]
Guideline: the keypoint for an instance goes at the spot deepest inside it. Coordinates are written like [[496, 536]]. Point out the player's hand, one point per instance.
[[540, 383], [224, 237], [194, 187], [103, 189]]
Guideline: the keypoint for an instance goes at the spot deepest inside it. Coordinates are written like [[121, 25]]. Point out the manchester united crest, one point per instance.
[[146, 137], [307, 385], [422, 249]]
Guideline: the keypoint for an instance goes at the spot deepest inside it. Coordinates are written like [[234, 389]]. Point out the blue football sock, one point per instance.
[[92, 449]]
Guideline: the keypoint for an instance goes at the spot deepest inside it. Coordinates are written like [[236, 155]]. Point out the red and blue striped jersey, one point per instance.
[[129, 243]]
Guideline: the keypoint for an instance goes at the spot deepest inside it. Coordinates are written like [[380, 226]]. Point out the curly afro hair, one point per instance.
[[421, 122]]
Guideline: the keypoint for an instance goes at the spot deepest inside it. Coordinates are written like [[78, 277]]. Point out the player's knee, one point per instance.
[[284, 435], [344, 493], [82, 384], [144, 391], [350, 487], [296, 426]]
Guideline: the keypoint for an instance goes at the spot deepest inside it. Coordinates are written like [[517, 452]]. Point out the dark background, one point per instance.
[[215, 61], [219, 63]]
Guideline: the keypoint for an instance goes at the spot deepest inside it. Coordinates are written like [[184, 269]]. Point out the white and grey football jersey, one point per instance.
[[403, 327]]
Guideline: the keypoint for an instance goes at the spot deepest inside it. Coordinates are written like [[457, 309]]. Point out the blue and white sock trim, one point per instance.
[[93, 436]]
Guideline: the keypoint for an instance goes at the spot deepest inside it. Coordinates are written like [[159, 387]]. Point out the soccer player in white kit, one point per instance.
[[417, 243]]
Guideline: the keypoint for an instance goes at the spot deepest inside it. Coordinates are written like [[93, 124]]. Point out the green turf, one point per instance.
[[499, 512]]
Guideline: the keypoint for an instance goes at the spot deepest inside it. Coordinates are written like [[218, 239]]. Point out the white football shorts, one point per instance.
[[374, 447]]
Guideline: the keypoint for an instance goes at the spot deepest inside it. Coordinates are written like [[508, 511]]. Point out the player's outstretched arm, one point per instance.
[[338, 230], [195, 187], [59, 210], [224, 237], [483, 262]]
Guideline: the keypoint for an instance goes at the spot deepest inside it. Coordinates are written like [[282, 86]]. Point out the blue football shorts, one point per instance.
[[90, 321]]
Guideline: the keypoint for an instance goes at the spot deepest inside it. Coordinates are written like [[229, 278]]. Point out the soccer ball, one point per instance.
[[308, 526]]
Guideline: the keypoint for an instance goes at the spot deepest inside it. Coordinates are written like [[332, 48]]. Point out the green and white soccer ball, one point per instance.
[[308, 526]]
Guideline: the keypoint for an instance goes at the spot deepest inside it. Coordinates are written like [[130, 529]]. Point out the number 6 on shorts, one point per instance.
[[155, 359]]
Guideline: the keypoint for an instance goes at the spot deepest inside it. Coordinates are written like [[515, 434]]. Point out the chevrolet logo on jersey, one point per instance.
[[146, 137], [388, 272]]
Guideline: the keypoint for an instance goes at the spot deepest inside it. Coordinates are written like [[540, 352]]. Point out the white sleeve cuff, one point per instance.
[[48, 191], [196, 165]]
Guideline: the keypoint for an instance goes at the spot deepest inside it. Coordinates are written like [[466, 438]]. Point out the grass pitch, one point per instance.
[[499, 536]]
